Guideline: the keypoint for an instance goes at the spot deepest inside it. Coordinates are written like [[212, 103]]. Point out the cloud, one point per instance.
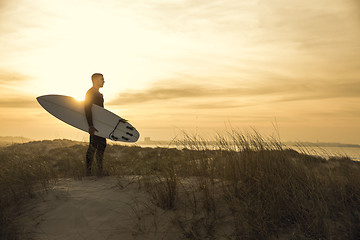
[[10, 77], [172, 92], [20, 28], [207, 96], [306, 22], [327, 90], [219, 104], [185, 16], [19, 102]]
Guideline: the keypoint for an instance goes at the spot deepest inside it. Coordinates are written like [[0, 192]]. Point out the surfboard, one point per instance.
[[72, 112]]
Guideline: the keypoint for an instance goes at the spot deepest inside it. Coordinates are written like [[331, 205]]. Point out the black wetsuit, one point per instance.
[[97, 144]]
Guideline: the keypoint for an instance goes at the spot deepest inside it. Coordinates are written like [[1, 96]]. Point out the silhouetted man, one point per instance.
[[97, 144]]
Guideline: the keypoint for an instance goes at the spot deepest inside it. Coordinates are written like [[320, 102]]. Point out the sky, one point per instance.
[[290, 68]]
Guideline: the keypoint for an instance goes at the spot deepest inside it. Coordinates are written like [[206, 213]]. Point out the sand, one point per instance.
[[96, 209]]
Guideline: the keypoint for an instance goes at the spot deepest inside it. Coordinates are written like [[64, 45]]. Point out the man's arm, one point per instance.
[[88, 114]]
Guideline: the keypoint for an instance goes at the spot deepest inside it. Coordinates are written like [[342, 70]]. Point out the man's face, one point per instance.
[[99, 81]]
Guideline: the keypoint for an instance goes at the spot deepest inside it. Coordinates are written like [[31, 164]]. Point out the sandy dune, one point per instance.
[[95, 209]]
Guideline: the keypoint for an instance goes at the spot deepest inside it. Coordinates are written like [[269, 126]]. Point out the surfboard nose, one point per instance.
[[47, 98], [39, 98]]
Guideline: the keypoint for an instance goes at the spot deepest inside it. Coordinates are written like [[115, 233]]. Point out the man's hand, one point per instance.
[[92, 130]]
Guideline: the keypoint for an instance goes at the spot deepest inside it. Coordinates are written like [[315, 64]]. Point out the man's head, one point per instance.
[[98, 80]]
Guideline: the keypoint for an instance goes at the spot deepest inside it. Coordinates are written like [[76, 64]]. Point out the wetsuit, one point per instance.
[[97, 144]]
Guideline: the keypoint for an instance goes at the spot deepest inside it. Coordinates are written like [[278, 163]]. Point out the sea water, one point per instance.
[[325, 152]]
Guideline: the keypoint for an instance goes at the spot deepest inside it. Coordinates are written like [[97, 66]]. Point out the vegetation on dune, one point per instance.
[[263, 190], [23, 173], [238, 186]]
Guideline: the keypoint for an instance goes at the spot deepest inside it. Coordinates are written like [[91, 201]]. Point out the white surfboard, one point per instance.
[[71, 111]]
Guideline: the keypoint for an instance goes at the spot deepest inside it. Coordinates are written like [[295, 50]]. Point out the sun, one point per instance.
[[79, 99]]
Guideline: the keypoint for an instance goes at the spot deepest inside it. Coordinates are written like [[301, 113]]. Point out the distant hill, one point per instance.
[[7, 140]]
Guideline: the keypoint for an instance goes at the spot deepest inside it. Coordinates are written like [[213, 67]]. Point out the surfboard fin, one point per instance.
[[111, 135]]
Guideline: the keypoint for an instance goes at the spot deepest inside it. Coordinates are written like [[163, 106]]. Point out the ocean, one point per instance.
[[325, 152]]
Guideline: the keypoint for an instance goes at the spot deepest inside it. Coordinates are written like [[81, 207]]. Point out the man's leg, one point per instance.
[[99, 161], [90, 156], [100, 149]]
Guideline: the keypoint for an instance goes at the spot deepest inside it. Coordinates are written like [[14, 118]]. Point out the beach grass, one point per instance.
[[233, 186], [23, 175], [262, 189]]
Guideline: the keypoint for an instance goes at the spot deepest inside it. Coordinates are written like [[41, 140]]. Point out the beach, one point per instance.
[[92, 208], [195, 192]]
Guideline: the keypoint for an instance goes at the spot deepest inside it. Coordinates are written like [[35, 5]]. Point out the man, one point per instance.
[[97, 144]]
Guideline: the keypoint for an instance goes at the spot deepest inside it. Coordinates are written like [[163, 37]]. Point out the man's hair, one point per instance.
[[95, 76]]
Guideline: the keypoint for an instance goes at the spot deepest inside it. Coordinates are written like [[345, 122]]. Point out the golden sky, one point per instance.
[[194, 65]]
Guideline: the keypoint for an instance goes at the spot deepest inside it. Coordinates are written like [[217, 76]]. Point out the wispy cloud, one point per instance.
[[19, 102], [327, 90], [185, 16], [11, 77], [232, 96], [171, 92]]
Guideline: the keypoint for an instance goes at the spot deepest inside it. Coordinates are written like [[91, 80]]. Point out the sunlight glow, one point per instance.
[[85, 46], [188, 64]]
